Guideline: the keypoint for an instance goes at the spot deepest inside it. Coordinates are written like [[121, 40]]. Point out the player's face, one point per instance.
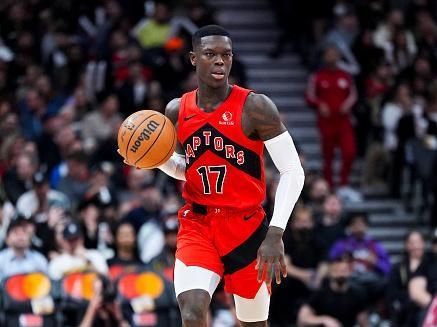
[[213, 60]]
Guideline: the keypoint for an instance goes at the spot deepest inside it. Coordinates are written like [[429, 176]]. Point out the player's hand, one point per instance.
[[124, 160], [270, 261]]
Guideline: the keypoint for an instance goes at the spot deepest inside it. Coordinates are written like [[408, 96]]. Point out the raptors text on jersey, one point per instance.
[[224, 167]]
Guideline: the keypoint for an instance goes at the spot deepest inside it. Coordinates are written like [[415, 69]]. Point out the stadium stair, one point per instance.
[[253, 30]]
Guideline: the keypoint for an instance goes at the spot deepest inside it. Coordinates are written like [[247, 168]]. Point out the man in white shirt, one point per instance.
[[75, 256], [18, 258]]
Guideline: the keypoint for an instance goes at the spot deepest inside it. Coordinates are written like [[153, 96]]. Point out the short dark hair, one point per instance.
[[354, 215], [208, 30]]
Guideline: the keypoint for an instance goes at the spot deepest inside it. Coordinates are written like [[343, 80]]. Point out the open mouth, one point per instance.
[[218, 75]]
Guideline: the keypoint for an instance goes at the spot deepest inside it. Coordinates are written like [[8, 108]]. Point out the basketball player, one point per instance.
[[222, 130]]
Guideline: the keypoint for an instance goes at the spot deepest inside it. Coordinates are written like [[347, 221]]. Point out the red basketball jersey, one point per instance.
[[224, 168]]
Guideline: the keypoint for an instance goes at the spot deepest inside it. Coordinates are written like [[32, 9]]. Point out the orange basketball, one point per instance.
[[146, 139]]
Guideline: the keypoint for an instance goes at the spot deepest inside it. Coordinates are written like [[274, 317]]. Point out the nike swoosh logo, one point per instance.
[[189, 117], [249, 216]]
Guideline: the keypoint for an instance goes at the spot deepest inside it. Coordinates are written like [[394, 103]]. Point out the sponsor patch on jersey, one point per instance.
[[227, 119]]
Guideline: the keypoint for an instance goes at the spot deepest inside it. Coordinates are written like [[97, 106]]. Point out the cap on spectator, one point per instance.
[[40, 178], [171, 225], [19, 221], [72, 231]]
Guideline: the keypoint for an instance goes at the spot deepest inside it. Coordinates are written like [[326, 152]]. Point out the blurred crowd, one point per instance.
[[374, 90], [71, 71]]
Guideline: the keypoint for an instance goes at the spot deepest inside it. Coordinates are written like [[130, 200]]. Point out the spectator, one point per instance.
[[32, 111], [18, 258], [398, 52], [19, 179], [386, 31], [164, 262], [125, 245], [304, 253], [403, 311], [422, 288], [330, 226], [401, 105], [37, 201], [75, 183], [337, 303], [332, 92], [103, 309], [370, 261], [97, 126], [342, 37], [75, 257], [154, 32]]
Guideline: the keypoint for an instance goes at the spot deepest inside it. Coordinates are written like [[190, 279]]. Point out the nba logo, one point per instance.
[[226, 119]]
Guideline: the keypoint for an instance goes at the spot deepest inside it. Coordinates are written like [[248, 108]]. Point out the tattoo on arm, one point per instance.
[[264, 117]]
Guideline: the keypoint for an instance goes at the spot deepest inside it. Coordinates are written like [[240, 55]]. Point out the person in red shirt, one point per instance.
[[332, 92], [224, 232]]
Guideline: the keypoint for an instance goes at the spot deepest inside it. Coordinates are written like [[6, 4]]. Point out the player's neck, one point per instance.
[[210, 98]]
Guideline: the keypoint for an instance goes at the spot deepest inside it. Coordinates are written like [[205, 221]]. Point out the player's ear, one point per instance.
[[193, 58]]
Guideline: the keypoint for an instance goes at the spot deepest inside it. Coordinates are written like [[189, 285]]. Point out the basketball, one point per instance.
[[146, 139]]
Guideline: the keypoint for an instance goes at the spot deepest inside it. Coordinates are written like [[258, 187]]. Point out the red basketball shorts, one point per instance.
[[225, 241]]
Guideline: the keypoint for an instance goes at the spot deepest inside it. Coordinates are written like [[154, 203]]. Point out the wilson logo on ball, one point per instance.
[[145, 135]]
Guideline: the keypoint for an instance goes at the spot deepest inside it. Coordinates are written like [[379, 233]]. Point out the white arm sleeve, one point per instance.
[[284, 155], [175, 166]]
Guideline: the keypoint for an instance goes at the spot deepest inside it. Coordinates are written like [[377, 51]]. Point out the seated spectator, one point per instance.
[[125, 246], [75, 183], [401, 104], [414, 263], [330, 226], [75, 257], [422, 290], [97, 125], [103, 309], [19, 179], [89, 215], [154, 32], [304, 253], [18, 258], [337, 304], [164, 262], [37, 201], [370, 261], [399, 53], [315, 193], [7, 212]]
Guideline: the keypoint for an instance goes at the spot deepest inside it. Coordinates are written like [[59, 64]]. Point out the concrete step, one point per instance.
[[277, 73], [244, 16], [245, 35], [261, 61], [265, 85], [387, 232], [287, 102], [252, 46]]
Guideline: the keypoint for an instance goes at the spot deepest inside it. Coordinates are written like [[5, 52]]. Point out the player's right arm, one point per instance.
[[175, 166]]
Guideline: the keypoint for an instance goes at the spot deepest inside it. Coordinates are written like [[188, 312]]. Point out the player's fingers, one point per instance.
[[269, 271], [118, 151], [261, 268], [283, 266], [277, 270]]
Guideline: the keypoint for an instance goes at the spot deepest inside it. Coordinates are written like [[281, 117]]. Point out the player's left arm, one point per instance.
[[265, 124]]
